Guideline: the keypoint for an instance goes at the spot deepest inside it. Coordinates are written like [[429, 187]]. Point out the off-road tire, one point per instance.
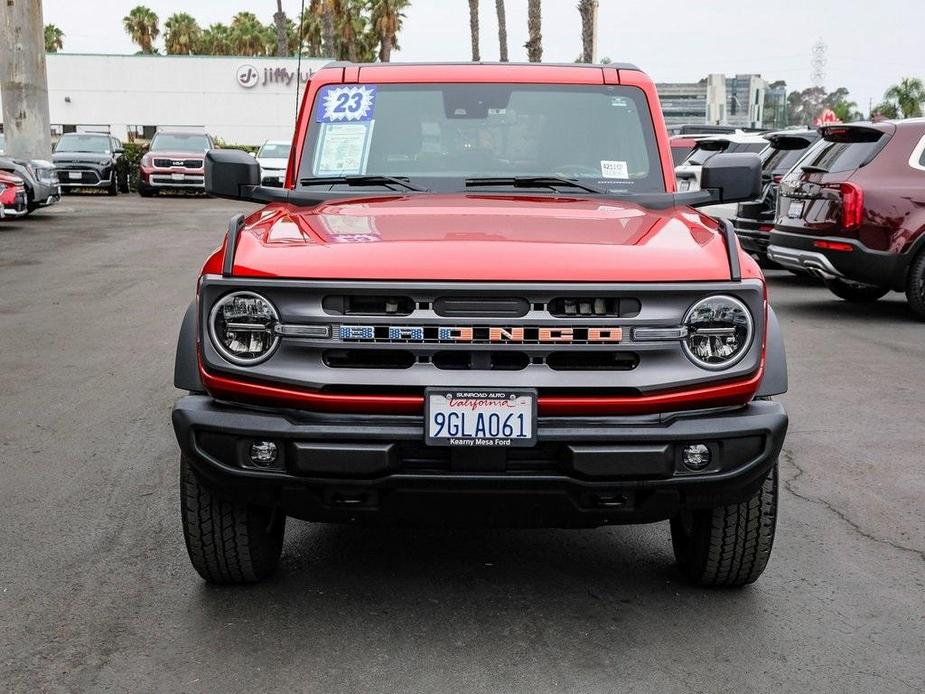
[[856, 292], [228, 542], [727, 546], [915, 286]]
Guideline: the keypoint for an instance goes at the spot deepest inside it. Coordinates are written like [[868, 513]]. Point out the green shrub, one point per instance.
[[129, 163]]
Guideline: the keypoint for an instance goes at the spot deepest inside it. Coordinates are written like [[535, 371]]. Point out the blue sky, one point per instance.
[[870, 44]]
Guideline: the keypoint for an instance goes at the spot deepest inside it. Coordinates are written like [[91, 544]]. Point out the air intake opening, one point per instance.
[[461, 360], [360, 305], [368, 359], [594, 307], [592, 361], [475, 306]]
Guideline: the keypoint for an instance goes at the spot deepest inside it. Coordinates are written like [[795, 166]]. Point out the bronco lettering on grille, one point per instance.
[[480, 334]]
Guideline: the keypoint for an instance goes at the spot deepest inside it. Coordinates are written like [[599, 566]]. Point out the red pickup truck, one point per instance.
[[479, 299]]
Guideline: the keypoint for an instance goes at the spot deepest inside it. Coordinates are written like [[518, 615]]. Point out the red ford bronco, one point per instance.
[[479, 299]]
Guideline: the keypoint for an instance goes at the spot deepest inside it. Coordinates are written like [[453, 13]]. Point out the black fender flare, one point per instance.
[[774, 381], [186, 363]]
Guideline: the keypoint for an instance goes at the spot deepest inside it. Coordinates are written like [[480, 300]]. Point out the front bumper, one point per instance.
[[174, 179], [582, 472], [85, 176], [861, 264]]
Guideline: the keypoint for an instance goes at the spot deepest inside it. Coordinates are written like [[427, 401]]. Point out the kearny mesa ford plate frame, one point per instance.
[[484, 418]]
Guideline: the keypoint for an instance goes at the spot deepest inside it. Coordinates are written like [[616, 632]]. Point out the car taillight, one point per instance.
[[852, 205], [777, 179]]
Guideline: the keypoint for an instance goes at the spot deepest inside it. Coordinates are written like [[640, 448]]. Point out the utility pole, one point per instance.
[[23, 82]]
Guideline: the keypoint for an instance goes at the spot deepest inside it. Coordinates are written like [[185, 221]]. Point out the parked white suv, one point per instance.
[[273, 157]]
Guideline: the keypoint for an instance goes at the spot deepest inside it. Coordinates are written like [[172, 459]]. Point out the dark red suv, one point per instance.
[[852, 211]]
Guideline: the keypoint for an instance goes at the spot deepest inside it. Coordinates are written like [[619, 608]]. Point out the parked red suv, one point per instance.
[[852, 211], [173, 162], [494, 308]]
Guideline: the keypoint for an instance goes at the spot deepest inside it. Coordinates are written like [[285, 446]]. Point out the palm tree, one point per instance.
[[216, 40], [387, 17], [248, 34], [310, 30], [352, 32], [588, 11], [534, 44], [142, 25], [474, 29], [182, 35], [502, 30], [53, 39], [908, 95], [328, 13], [282, 30]]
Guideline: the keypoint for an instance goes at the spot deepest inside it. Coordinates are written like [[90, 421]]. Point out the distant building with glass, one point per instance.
[[744, 101]]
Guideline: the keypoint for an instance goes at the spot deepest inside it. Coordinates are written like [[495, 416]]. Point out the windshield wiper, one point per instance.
[[809, 168], [534, 182], [362, 180]]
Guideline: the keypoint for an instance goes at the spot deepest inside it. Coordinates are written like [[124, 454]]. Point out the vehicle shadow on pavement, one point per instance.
[[885, 311]]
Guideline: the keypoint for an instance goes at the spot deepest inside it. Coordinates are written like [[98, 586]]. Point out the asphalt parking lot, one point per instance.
[[97, 594]]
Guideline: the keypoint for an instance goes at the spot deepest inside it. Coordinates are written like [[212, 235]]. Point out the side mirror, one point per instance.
[[118, 150], [254, 155], [731, 178], [231, 173]]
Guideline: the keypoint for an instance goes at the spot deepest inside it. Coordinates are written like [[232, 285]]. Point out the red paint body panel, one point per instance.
[[492, 238]]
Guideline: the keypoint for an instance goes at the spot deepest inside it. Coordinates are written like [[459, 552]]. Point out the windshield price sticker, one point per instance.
[[499, 419], [353, 104], [614, 169], [344, 148]]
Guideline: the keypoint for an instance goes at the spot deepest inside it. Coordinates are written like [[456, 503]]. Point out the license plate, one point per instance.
[[795, 211], [177, 177], [489, 418], [75, 175], [683, 185]]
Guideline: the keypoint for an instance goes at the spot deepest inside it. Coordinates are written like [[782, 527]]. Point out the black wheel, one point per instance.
[[113, 187], [915, 286], [144, 191], [727, 546], [856, 292], [228, 542]]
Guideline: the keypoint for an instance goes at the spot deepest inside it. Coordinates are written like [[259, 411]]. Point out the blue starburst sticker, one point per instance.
[[353, 104]]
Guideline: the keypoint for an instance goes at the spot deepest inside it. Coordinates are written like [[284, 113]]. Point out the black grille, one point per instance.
[[164, 163], [368, 359], [592, 361]]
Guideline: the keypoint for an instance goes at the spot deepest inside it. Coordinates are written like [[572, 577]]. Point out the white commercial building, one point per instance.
[[241, 100]]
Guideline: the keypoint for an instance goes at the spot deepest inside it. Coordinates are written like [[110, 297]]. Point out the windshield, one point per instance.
[[75, 142], [601, 135], [781, 160], [180, 142], [274, 151]]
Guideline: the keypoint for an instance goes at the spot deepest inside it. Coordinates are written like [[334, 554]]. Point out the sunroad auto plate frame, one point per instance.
[[487, 441]]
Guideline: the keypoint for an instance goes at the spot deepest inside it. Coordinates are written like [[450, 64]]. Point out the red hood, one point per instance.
[[471, 237]]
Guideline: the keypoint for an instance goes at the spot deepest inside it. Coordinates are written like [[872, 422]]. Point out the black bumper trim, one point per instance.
[[576, 488], [862, 264]]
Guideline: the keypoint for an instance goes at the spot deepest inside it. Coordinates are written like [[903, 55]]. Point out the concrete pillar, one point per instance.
[[23, 81]]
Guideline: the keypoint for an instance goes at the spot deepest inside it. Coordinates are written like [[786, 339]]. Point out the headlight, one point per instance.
[[719, 332], [146, 160], [241, 325]]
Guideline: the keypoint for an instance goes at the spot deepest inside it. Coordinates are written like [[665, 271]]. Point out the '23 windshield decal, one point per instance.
[[353, 104]]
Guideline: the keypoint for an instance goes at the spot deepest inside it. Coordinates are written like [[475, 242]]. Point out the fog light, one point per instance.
[[264, 453], [696, 456]]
